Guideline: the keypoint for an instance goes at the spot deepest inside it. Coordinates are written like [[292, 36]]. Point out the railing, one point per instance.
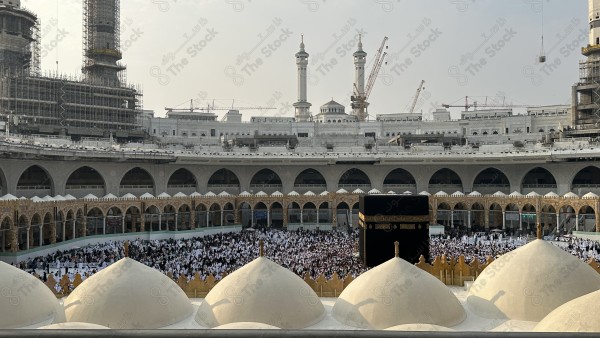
[[136, 187], [84, 187], [33, 187]]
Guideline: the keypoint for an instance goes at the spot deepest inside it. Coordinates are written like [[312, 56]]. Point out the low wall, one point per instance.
[[20, 256]]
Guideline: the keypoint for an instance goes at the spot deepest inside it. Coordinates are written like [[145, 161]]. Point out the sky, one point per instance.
[[240, 53]]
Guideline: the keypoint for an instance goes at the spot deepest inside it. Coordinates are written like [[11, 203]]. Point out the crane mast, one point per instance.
[[414, 103], [359, 100]]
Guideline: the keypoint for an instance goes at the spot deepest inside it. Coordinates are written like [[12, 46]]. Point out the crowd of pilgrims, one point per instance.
[[303, 252]]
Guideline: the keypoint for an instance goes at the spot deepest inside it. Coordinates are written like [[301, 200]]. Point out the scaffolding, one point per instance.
[[101, 42], [587, 93], [58, 104], [19, 41]]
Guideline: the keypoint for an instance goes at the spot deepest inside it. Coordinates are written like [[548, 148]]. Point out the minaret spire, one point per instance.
[[302, 113]]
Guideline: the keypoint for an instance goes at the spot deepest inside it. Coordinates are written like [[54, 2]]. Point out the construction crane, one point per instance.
[[476, 105], [416, 98], [209, 108], [360, 101]]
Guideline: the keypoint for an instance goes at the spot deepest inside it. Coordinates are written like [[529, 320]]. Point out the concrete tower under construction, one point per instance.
[[586, 93], [19, 38], [101, 35], [98, 105]]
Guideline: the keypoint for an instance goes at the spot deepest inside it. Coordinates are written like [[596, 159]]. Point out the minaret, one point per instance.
[[101, 20], [302, 106], [358, 105], [19, 39], [585, 108]]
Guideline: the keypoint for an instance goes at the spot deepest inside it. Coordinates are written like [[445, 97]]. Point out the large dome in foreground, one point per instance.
[[25, 300], [262, 292], [530, 282], [578, 315], [128, 295], [395, 293]]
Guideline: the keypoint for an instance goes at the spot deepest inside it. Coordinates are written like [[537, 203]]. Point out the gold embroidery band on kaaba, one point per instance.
[[393, 218]]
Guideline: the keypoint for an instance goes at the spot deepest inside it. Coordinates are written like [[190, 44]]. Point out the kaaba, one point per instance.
[[385, 219]]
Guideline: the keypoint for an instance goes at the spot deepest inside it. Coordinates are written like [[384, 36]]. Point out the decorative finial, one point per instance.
[[360, 46], [302, 37], [126, 248], [396, 249], [261, 248], [540, 233]]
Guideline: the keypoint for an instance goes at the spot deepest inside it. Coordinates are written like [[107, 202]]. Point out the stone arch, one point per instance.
[[182, 180], [23, 224], [444, 212], [136, 181], [354, 179], [133, 220], [266, 180], [214, 217], [277, 218], [114, 221], [445, 180], [169, 218], [478, 216], [6, 225], [400, 180], [228, 214], [325, 213], [260, 214], [224, 180], [343, 214], [586, 180], [245, 214], [152, 218], [567, 218], [586, 219], [309, 213], [35, 180], [539, 180], [529, 219], [490, 180], [548, 218], [310, 180], [69, 227], [184, 217], [85, 180], [95, 222], [294, 213]]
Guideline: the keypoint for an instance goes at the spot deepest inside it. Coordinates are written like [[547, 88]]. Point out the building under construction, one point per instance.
[[97, 104], [586, 93]]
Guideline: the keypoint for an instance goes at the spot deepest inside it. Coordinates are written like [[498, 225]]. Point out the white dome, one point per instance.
[[391, 192], [8, 197], [245, 194], [277, 194], [147, 195], [324, 193], [180, 195], [418, 327], [374, 192], [69, 197], [475, 194], [59, 198], [407, 193], [196, 194], [37, 199], [424, 193], [342, 191], [515, 194], [222, 194], [128, 196], [551, 194], [25, 300], [293, 193], [261, 194], [164, 195], [309, 193], [264, 292], [358, 191], [499, 194], [457, 194], [128, 295], [590, 195], [394, 293], [570, 195], [578, 315], [533, 194], [73, 326], [246, 326], [210, 194], [440, 194], [530, 282], [109, 196]]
